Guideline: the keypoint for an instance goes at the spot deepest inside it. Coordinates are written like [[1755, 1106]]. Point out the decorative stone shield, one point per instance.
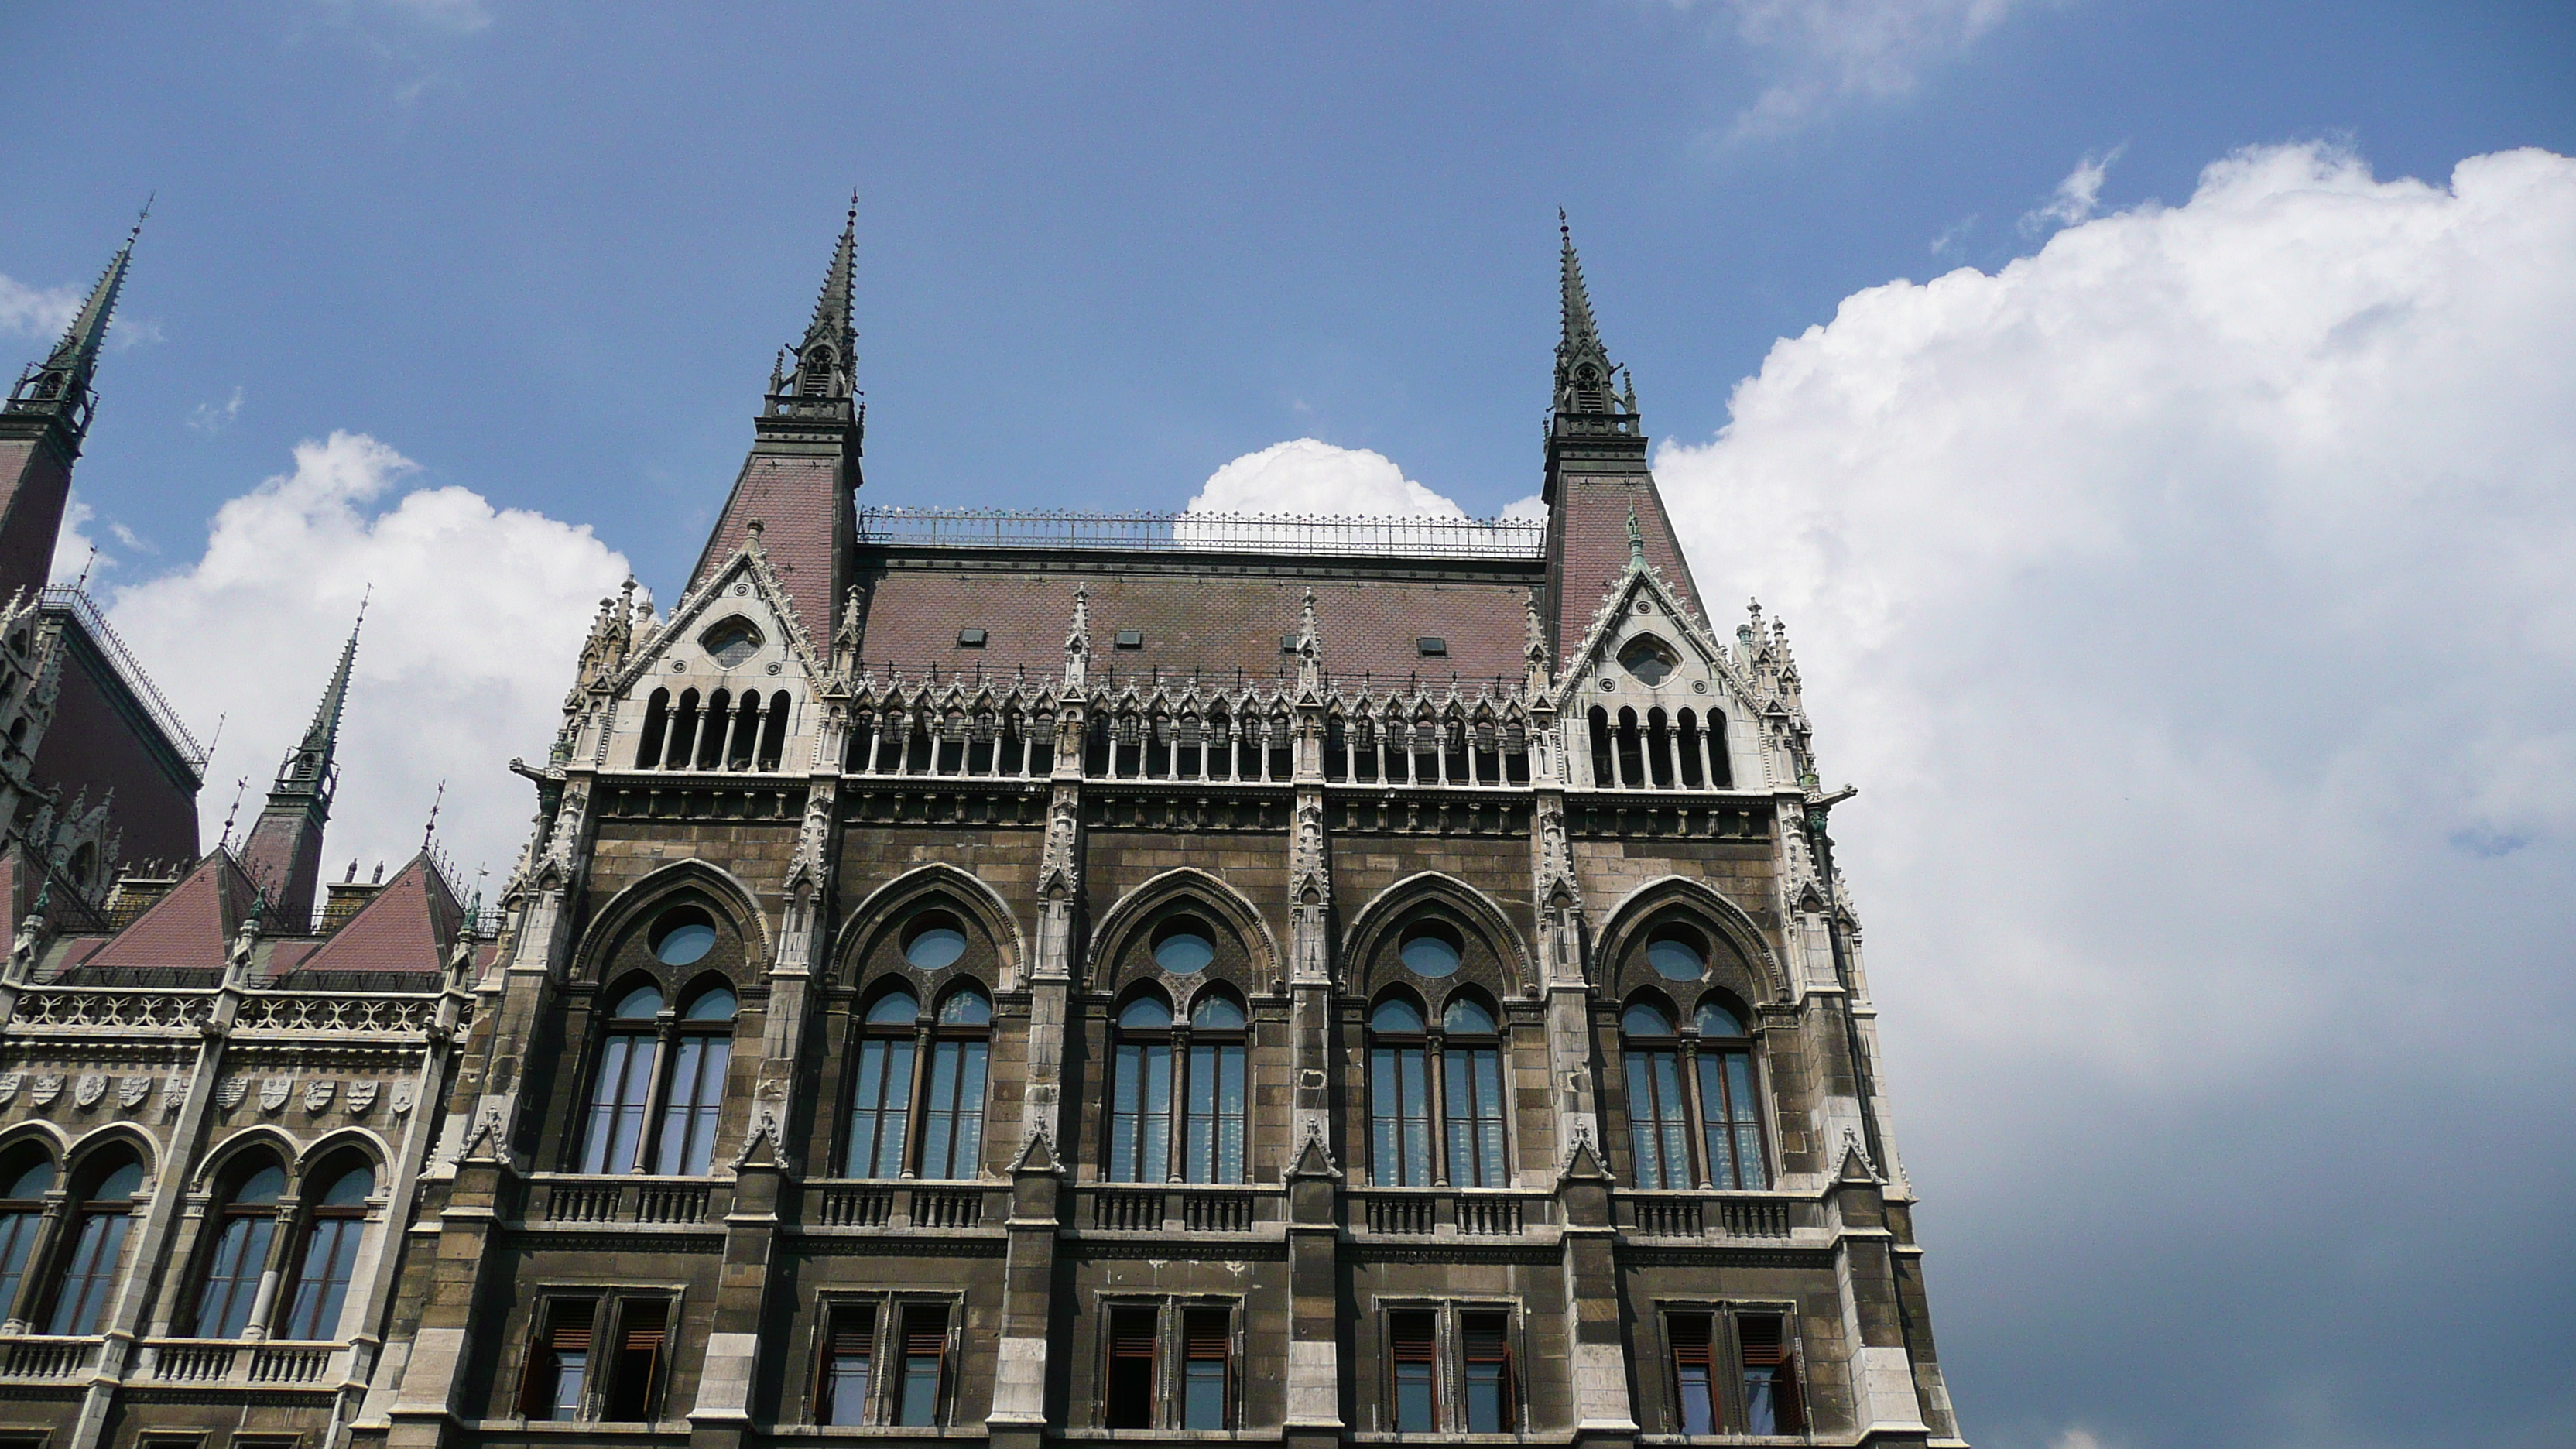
[[362, 1097], [402, 1098], [9, 1085], [230, 1092], [317, 1094], [272, 1092], [132, 1090], [48, 1087], [90, 1087]]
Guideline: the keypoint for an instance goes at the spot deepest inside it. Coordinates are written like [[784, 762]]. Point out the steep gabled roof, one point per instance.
[[409, 925], [193, 925]]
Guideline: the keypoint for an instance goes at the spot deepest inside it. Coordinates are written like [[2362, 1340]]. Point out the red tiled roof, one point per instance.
[[800, 505], [191, 926], [407, 926], [1211, 619], [1593, 545]]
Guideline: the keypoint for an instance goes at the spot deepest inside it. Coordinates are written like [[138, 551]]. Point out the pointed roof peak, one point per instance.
[[833, 319], [64, 376], [1583, 366], [1573, 299], [323, 734]]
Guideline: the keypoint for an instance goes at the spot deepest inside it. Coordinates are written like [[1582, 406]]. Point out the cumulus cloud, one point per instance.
[[36, 311], [1308, 476], [475, 618], [1823, 52], [2190, 600], [2076, 199], [215, 417]]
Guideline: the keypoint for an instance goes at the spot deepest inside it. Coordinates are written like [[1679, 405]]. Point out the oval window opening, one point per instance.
[[731, 642], [1676, 957], [1649, 661], [1183, 948], [682, 935], [1431, 949], [934, 942]]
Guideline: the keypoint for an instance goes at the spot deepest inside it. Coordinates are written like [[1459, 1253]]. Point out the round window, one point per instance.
[[1676, 958], [1183, 948], [934, 942], [1431, 950], [1649, 660], [682, 935]]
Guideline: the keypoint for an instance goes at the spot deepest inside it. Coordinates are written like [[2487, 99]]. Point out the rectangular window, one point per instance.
[[1412, 1337], [1486, 1351], [1128, 1402], [1694, 1371], [1772, 1403], [1207, 1348], [559, 1364], [633, 1375], [1212, 1125], [925, 1353], [849, 1352]]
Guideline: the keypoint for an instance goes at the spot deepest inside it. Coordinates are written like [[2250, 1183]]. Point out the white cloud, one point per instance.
[[215, 417], [1822, 52], [1315, 478], [74, 549], [2077, 197], [2190, 601], [36, 311], [469, 643]]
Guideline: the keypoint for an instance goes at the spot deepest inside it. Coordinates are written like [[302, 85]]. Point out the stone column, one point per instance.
[[1314, 1376], [1597, 1349], [1019, 1414], [1885, 1409]]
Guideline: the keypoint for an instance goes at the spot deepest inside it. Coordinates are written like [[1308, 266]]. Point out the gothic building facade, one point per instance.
[[1030, 978]]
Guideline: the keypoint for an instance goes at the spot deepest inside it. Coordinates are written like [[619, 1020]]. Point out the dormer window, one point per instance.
[[1431, 646], [970, 638], [1649, 659], [731, 642], [1131, 639]]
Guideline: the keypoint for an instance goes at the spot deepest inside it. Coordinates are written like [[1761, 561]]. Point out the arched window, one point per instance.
[[1602, 773], [773, 732], [25, 1178], [952, 1135], [246, 1226], [622, 1092], [1658, 1122], [1399, 1095], [1471, 1052], [1183, 947], [1212, 1117], [695, 1100], [102, 1215], [684, 732], [657, 723], [1730, 1114], [881, 1089], [1140, 1092], [338, 1217]]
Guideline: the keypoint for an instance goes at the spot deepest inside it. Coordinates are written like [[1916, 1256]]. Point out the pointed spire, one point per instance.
[[59, 385], [283, 851], [1574, 302], [824, 360], [1584, 371]]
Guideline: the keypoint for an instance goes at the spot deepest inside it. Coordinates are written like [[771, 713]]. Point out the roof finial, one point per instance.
[[1636, 538], [435, 802], [226, 839]]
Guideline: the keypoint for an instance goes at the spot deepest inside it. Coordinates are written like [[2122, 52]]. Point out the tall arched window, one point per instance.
[[103, 1214], [952, 1129], [1140, 1093], [622, 1092], [881, 1089], [246, 1226], [1729, 1112], [338, 1217], [25, 1178], [695, 1101], [1399, 1095], [1658, 1122], [1471, 1053], [1212, 1117]]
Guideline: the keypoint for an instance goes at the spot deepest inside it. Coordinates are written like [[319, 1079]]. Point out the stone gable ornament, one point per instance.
[[317, 1094], [130, 1091], [229, 1094], [9, 1085], [402, 1098], [362, 1097], [48, 1087], [90, 1087], [272, 1093]]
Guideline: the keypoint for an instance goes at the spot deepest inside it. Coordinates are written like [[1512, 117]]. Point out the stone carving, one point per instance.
[[48, 1087], [273, 1093], [402, 1098], [130, 1091], [9, 1086], [318, 1092], [87, 1091], [362, 1097], [230, 1092]]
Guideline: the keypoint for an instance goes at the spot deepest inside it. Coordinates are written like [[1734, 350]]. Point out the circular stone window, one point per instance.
[[1183, 948], [731, 642], [682, 935], [1676, 956], [934, 941], [1431, 949], [1649, 660]]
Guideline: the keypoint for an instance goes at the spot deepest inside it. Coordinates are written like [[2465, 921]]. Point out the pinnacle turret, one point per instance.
[[1583, 366], [283, 852], [825, 360], [59, 385]]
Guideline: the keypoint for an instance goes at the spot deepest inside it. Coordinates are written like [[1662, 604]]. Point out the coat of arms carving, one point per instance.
[[90, 1087], [132, 1090], [230, 1093], [362, 1097], [48, 1087], [317, 1094], [272, 1092], [402, 1098], [9, 1085]]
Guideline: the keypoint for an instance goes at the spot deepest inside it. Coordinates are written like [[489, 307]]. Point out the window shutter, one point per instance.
[[1763, 1346], [1690, 1338], [1208, 1336], [1132, 1336], [1411, 1337], [925, 1332], [570, 1331], [853, 1331], [1485, 1338]]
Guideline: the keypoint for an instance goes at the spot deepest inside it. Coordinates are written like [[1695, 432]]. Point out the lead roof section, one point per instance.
[[1212, 616]]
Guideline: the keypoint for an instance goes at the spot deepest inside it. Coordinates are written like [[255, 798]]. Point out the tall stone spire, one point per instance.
[[796, 485], [284, 851], [42, 427], [1583, 366]]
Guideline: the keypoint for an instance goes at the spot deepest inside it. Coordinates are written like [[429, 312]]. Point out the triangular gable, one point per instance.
[[410, 925], [193, 925], [1674, 618], [763, 601]]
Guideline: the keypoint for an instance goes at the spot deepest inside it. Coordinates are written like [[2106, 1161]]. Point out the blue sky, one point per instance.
[[2183, 582]]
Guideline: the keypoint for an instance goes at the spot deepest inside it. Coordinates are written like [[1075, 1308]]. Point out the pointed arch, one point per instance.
[[1186, 883], [379, 1155], [724, 889], [44, 1133], [219, 1157], [77, 1157], [1368, 930], [888, 904], [1622, 930]]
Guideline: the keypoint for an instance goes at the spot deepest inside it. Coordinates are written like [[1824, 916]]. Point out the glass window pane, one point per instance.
[[1145, 1013], [1644, 1020], [1716, 1020], [966, 1006], [895, 1008], [1217, 1013], [1468, 1018], [1395, 1014]]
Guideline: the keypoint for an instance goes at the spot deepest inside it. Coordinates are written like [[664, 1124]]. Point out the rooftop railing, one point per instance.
[[1522, 539], [84, 611]]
